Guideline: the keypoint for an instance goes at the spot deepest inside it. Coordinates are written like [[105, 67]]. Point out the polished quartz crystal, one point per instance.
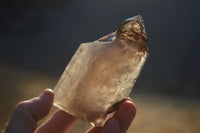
[[102, 73]]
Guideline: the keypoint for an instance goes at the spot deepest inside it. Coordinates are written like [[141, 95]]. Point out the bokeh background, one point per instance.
[[38, 38]]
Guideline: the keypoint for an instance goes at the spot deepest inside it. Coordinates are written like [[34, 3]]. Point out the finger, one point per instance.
[[27, 113], [121, 120], [94, 130], [39, 107], [112, 125], [59, 122], [125, 114]]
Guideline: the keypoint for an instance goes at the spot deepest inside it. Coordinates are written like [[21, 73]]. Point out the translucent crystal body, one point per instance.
[[102, 73]]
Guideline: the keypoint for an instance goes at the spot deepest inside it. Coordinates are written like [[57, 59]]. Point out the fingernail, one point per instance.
[[46, 92], [129, 99]]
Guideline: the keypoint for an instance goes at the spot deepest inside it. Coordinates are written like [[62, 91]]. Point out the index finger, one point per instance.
[[27, 113]]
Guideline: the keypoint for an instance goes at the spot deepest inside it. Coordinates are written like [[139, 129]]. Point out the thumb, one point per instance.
[[27, 113]]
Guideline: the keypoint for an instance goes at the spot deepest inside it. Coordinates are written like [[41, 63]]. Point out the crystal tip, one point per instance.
[[132, 29], [137, 17]]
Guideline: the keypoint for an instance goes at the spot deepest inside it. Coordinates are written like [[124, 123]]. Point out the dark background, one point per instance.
[[38, 38], [42, 36]]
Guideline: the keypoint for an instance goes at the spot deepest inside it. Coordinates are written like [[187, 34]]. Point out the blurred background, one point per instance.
[[39, 37]]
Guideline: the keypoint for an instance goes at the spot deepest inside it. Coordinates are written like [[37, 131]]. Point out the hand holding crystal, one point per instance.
[[28, 113]]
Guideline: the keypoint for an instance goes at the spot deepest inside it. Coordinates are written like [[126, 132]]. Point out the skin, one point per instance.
[[28, 113]]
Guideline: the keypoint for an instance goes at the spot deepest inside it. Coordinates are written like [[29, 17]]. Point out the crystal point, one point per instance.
[[102, 73]]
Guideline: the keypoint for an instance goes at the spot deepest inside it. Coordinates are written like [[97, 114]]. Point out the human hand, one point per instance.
[[28, 113]]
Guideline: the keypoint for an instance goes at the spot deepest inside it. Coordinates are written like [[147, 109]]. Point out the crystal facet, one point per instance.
[[102, 73]]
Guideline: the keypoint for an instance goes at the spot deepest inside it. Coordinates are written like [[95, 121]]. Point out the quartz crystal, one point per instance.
[[101, 74]]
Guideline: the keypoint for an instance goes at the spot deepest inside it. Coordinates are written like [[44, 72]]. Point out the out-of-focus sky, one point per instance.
[[42, 36]]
